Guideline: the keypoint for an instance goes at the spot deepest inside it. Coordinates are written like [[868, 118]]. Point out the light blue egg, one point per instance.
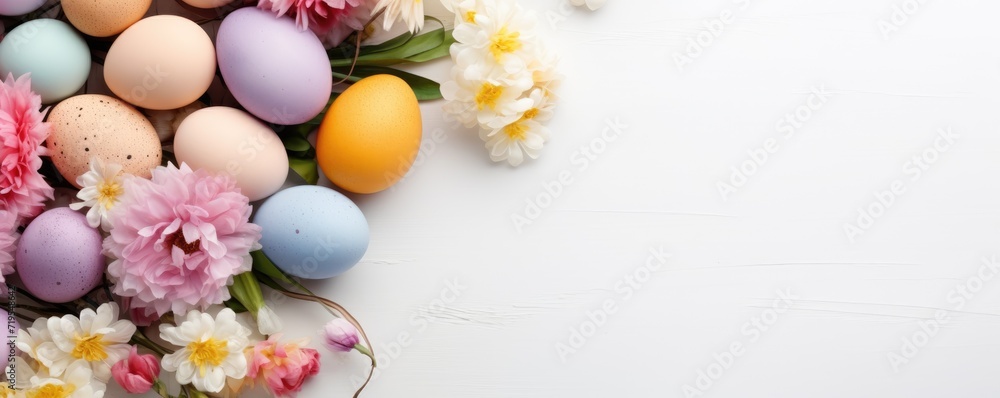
[[312, 232], [56, 56]]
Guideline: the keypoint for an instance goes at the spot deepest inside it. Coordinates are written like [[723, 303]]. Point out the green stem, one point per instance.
[[141, 339]]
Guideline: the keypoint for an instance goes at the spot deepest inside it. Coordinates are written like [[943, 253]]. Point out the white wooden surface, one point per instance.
[[461, 303]]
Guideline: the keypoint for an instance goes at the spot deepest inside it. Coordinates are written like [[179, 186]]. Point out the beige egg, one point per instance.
[[91, 125], [208, 3], [103, 18]]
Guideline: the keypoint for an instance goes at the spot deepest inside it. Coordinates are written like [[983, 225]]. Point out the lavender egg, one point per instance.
[[11, 328], [59, 256], [276, 71]]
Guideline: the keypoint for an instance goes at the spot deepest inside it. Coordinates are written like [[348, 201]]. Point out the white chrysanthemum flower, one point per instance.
[[492, 101], [102, 187], [591, 4], [28, 340], [211, 349], [78, 381], [501, 32], [545, 72], [466, 10], [410, 12], [98, 338]]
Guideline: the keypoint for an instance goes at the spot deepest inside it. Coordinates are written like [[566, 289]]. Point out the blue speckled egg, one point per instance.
[[312, 232], [59, 256]]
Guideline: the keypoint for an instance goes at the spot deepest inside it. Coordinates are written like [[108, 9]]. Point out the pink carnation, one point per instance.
[[284, 367], [23, 190], [8, 242], [178, 240], [331, 20]]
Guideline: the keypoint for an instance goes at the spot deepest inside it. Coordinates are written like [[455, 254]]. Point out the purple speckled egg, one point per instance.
[[59, 256], [276, 71], [11, 326]]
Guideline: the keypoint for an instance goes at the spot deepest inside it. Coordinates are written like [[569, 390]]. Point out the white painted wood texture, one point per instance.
[[853, 304]]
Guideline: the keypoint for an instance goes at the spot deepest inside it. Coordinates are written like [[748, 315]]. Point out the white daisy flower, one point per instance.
[[212, 349], [466, 10], [76, 382], [501, 32], [513, 142], [98, 338], [28, 340], [410, 12], [493, 101], [591, 4], [102, 187], [544, 71]]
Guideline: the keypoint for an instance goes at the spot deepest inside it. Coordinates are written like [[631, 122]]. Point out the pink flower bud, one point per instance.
[[340, 335], [136, 373]]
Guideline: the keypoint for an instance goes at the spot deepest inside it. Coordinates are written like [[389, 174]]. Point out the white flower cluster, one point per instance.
[[591, 4], [503, 80]]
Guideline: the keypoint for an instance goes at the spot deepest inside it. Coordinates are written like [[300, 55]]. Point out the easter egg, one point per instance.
[[312, 232], [55, 55], [161, 62], [19, 7], [103, 18], [227, 140], [371, 135], [11, 327], [277, 71], [91, 125], [59, 256], [207, 3]]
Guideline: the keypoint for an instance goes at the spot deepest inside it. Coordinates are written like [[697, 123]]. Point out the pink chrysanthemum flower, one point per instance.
[[8, 242], [23, 190], [178, 239], [331, 20]]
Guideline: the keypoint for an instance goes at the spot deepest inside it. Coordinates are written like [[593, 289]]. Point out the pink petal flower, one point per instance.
[[331, 20], [340, 335], [284, 367], [178, 240], [8, 242], [23, 190], [136, 373]]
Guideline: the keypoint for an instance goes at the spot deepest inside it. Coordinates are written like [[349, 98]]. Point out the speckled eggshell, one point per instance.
[[59, 256], [103, 18], [96, 125], [312, 232]]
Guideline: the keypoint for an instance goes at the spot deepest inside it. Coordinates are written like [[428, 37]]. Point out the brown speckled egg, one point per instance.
[[91, 125], [103, 18]]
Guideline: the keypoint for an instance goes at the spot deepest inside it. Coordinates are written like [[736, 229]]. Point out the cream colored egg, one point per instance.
[[208, 3], [92, 125], [103, 18], [230, 141], [161, 62]]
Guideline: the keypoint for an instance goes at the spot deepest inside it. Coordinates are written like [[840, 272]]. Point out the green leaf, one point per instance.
[[441, 51], [305, 168], [426, 42], [263, 265], [424, 88], [246, 290], [236, 306], [295, 143]]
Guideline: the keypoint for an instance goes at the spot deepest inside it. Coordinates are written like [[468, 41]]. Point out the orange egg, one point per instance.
[[371, 135]]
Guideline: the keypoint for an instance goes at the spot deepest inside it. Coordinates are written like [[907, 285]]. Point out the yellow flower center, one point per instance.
[[470, 17], [530, 114], [206, 353], [504, 42], [89, 348], [51, 391], [108, 193], [516, 131], [488, 95]]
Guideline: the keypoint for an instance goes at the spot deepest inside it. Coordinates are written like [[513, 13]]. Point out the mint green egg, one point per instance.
[[56, 56]]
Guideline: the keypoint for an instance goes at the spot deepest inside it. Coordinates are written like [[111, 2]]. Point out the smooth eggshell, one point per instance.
[[161, 62], [103, 18], [278, 72], [371, 135], [227, 140], [59, 256], [19, 7], [207, 3], [56, 56], [312, 232], [92, 125]]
